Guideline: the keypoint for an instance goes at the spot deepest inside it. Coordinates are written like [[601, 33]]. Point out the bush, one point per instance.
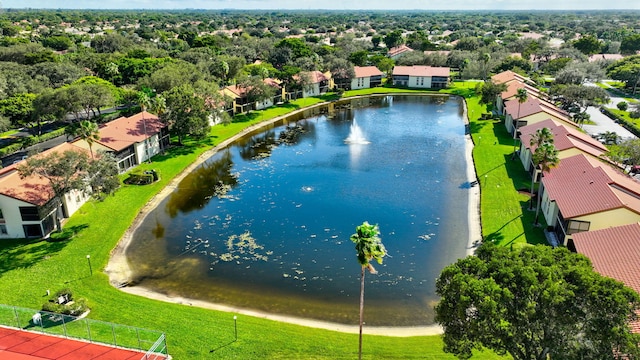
[[622, 105], [634, 114], [138, 178], [69, 305]]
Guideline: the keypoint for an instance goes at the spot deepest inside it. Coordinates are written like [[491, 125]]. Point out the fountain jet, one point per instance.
[[356, 136]]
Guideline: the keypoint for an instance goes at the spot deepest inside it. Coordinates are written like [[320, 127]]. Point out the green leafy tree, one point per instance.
[[489, 91], [627, 151], [368, 247], [588, 44], [19, 109], [626, 70], [66, 171], [630, 44], [545, 157], [89, 132], [540, 137], [187, 113], [533, 303], [393, 39]]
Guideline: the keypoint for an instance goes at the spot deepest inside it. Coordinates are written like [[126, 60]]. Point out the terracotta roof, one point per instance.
[[507, 76], [564, 137], [33, 189], [366, 71], [398, 50], [420, 70], [241, 91], [581, 186], [512, 90], [125, 131], [532, 106], [614, 252], [440, 52], [315, 76]]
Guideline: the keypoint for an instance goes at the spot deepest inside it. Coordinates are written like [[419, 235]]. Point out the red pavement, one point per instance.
[[24, 345]]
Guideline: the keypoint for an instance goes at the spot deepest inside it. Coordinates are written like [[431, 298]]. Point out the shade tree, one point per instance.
[[533, 303]]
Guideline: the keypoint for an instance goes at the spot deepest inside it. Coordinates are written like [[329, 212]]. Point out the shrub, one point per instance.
[[635, 114], [622, 105], [69, 306]]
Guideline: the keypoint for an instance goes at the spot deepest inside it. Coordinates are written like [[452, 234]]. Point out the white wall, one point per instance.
[[420, 82], [361, 83], [311, 90]]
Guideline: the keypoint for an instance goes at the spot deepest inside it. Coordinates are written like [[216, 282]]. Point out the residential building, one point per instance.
[[615, 253], [28, 207], [605, 57], [419, 76], [366, 77], [533, 110], [397, 52], [319, 83], [584, 194], [240, 102], [567, 139], [132, 140]]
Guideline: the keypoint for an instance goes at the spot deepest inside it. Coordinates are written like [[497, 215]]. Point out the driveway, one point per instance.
[[603, 123]]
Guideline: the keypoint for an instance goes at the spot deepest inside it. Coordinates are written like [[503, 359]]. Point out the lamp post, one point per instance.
[[235, 326], [89, 261]]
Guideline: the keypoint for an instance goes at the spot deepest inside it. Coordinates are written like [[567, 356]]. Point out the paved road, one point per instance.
[[603, 123]]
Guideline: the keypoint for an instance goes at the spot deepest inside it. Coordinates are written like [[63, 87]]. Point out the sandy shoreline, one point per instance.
[[119, 271]]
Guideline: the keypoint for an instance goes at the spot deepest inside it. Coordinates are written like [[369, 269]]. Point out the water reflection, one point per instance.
[[278, 239], [197, 188]]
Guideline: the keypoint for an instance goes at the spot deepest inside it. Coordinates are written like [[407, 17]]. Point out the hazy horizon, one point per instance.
[[571, 5]]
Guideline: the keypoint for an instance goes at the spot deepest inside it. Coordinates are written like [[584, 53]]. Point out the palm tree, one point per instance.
[[540, 137], [546, 157], [145, 102], [522, 97], [369, 247], [89, 132]]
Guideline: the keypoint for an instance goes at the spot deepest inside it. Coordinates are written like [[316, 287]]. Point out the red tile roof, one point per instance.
[[512, 90], [126, 131], [241, 91], [315, 76], [398, 50], [366, 71], [33, 189], [533, 106], [581, 186], [507, 76], [420, 70], [564, 136], [596, 57], [614, 252]]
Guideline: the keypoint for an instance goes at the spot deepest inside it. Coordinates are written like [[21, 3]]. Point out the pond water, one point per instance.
[[265, 223]]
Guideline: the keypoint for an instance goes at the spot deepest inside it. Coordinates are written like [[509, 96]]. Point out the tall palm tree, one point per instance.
[[540, 137], [546, 157], [521, 96], [89, 132], [369, 247], [145, 102]]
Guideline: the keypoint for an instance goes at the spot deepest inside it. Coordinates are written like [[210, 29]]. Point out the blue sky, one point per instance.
[[329, 4]]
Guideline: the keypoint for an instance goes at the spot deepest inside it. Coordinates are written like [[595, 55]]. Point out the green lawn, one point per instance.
[[28, 269]]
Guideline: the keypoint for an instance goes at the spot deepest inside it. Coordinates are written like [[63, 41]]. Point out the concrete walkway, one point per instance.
[[603, 123]]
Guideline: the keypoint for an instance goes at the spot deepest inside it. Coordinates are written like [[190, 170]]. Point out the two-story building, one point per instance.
[[132, 140], [28, 207], [366, 77], [418, 76], [584, 194]]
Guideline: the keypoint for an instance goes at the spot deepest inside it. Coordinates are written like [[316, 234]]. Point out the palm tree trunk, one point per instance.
[[535, 222], [361, 312], [533, 182]]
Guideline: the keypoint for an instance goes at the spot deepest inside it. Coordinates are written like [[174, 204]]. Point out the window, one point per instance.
[[577, 226], [1, 215], [32, 231], [3, 230], [29, 213]]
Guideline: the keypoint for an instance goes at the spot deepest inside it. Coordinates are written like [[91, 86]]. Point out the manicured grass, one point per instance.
[[28, 269], [9, 133]]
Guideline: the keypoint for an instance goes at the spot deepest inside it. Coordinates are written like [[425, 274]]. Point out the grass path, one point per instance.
[[28, 269]]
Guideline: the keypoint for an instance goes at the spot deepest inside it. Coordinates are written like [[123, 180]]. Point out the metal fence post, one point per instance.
[[113, 332], [64, 327], [88, 330], [138, 336], [15, 312]]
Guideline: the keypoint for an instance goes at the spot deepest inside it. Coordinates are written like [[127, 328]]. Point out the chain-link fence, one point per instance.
[[150, 341]]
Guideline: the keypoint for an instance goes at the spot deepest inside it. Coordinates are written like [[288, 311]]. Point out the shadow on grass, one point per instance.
[[68, 233], [519, 176], [222, 346], [24, 253], [501, 133]]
